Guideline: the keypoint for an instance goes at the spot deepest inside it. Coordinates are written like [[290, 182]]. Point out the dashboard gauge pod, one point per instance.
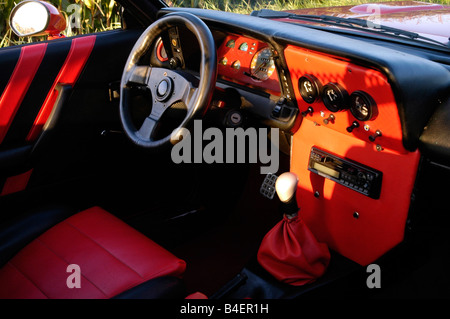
[[310, 88], [161, 53], [36, 18], [335, 97], [243, 46], [362, 106], [262, 65], [231, 43]]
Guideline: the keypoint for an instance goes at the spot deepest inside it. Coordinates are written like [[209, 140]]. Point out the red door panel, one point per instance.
[[29, 96], [79, 53], [21, 78]]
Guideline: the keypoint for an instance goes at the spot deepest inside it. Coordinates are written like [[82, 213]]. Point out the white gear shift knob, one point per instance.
[[286, 185]]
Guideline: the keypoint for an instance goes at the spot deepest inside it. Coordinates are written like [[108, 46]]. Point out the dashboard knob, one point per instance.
[[373, 137], [329, 118], [174, 62], [352, 127], [310, 110]]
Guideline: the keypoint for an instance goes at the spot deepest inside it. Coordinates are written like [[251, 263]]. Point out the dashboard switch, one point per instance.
[[310, 110], [174, 63], [276, 112], [329, 119], [353, 126], [373, 137]]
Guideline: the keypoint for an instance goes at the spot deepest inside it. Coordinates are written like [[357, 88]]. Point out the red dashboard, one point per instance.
[[355, 175], [333, 201], [368, 110]]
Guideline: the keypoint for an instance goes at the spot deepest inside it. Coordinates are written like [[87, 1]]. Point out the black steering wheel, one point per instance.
[[166, 85]]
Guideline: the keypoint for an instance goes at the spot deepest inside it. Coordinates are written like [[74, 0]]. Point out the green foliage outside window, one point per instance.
[[82, 17], [88, 16]]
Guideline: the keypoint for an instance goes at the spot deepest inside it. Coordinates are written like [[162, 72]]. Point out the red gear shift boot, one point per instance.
[[291, 253]]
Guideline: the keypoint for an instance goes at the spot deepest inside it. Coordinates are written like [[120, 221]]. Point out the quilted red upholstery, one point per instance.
[[112, 256]]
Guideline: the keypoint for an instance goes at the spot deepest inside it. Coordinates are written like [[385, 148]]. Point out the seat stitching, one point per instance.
[[27, 278], [98, 244], [67, 262]]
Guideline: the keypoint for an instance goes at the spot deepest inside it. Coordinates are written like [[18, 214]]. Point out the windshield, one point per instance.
[[247, 6], [426, 22], [429, 18]]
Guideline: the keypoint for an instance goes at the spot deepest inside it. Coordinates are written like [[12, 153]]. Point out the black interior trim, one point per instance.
[[141, 12], [435, 141], [166, 287], [14, 160]]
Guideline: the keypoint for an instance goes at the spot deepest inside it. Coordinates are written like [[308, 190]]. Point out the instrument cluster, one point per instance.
[[352, 99], [244, 60], [336, 98]]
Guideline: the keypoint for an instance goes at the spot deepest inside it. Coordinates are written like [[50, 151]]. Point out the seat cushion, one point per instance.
[[112, 257], [22, 227]]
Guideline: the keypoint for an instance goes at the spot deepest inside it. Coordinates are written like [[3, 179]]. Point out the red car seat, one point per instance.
[[114, 260]]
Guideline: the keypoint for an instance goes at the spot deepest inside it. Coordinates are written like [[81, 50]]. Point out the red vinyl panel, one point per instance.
[[29, 60], [76, 59], [16, 183], [358, 227], [352, 78], [331, 216]]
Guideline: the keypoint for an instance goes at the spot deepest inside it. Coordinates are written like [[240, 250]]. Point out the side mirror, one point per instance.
[[31, 17]]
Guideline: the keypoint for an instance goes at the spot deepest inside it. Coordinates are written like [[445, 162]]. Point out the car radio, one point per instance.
[[351, 174]]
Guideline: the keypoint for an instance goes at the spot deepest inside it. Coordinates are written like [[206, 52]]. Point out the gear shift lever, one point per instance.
[[290, 251], [286, 186]]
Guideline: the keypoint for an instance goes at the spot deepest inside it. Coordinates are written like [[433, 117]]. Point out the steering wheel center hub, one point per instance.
[[164, 89]]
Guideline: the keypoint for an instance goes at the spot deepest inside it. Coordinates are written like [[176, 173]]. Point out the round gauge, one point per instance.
[[362, 106], [223, 61], [230, 43], [161, 53], [243, 46], [335, 97], [262, 65], [309, 87]]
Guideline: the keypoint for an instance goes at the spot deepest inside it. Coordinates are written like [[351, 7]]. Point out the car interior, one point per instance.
[[363, 125]]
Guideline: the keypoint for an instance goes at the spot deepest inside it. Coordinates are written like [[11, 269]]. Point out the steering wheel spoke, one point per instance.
[[139, 74], [190, 94], [147, 128]]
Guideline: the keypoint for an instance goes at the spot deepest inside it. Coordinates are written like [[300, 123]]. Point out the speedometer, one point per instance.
[[262, 65]]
